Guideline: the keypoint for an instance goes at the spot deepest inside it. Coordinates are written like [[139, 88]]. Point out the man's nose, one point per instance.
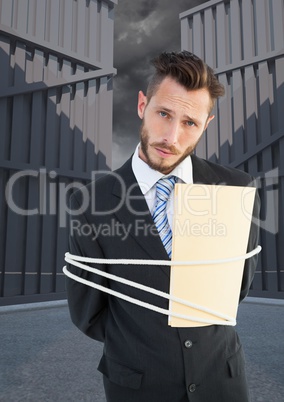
[[172, 134]]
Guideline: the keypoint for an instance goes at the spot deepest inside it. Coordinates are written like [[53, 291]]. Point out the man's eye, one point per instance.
[[190, 123], [163, 114]]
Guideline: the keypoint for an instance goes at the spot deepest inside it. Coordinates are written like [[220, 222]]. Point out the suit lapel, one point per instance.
[[202, 172], [134, 213]]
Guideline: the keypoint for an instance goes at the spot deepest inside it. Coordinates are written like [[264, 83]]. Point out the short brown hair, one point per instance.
[[188, 70]]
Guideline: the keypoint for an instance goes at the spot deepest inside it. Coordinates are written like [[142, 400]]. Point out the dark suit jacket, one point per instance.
[[144, 359]]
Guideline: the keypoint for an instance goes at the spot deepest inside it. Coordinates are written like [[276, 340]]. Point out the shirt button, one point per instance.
[[192, 387], [188, 344]]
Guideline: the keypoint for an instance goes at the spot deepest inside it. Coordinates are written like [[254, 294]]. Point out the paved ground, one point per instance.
[[43, 357]]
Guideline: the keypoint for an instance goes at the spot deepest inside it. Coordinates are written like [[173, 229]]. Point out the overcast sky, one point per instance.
[[142, 29]]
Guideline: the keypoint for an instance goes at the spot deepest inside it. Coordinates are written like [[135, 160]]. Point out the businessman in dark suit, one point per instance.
[[144, 359]]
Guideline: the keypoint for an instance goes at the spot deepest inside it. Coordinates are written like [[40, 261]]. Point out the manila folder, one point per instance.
[[210, 222]]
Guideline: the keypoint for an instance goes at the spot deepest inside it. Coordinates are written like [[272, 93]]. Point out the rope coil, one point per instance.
[[77, 261]]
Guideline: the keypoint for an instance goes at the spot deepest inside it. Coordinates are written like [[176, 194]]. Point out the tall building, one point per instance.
[[243, 40], [56, 63]]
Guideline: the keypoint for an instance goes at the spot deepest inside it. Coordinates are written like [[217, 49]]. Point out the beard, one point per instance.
[[163, 165]]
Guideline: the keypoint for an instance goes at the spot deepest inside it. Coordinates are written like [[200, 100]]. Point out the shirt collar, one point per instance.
[[148, 177]]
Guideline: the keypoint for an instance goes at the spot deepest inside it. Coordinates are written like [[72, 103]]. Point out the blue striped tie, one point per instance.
[[164, 188]]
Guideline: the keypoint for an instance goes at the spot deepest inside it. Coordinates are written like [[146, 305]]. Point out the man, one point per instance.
[[144, 359]]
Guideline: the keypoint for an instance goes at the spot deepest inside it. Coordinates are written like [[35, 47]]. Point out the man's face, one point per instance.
[[173, 123]]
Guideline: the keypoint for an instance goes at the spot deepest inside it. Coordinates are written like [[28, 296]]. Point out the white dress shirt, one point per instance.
[[148, 177]]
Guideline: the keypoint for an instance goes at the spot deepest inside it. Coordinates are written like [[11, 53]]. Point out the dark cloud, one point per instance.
[[133, 11], [143, 29]]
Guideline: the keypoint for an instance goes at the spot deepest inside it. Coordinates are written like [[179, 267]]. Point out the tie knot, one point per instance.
[[165, 186]]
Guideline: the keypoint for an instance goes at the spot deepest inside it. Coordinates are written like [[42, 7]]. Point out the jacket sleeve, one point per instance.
[[87, 306], [251, 263]]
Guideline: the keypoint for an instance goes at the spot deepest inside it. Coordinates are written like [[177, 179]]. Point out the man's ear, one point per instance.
[[142, 102], [208, 121]]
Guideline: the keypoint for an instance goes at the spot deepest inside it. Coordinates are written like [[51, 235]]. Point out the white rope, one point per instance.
[[162, 262], [75, 260], [129, 299]]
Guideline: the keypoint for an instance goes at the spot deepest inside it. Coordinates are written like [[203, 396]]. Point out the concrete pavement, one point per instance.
[[43, 357]]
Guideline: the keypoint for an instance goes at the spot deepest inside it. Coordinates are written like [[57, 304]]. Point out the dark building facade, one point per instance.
[[243, 40], [56, 64]]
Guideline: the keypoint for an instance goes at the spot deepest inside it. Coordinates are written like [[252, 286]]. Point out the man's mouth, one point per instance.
[[164, 152]]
